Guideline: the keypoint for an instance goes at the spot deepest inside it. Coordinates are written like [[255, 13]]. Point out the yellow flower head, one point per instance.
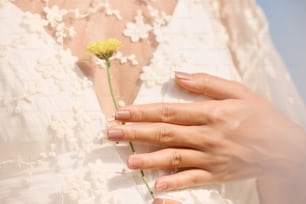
[[104, 49]]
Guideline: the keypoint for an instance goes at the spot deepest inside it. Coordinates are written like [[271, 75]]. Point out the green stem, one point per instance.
[[143, 177], [109, 80]]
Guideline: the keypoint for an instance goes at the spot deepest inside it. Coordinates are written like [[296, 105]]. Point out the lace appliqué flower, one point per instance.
[[159, 22], [158, 73], [16, 103], [124, 59], [89, 186], [54, 15], [74, 130], [137, 30], [117, 56], [60, 68], [67, 60], [55, 18], [33, 23], [100, 6], [155, 74]]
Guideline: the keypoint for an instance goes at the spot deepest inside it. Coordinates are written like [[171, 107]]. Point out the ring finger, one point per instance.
[[170, 158]]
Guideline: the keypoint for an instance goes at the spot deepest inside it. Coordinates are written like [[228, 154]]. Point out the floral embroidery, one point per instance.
[[100, 6], [54, 15], [160, 35], [138, 30], [61, 127], [67, 60], [160, 18], [155, 74], [117, 56], [46, 68], [124, 59], [73, 131], [111, 12], [34, 23], [15, 103], [59, 68], [90, 185]]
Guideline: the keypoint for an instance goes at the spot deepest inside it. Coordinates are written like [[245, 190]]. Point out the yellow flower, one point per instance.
[[104, 49]]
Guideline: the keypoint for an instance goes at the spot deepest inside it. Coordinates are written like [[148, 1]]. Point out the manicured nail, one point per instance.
[[183, 75], [159, 201], [114, 134], [161, 186], [122, 115], [134, 162]]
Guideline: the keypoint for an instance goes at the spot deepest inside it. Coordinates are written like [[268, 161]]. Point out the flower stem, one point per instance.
[[143, 177], [109, 80]]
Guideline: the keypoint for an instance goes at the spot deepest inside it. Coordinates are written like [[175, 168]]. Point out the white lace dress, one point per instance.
[[51, 122]]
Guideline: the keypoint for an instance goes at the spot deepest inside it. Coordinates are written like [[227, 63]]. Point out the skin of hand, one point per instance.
[[236, 135], [165, 201]]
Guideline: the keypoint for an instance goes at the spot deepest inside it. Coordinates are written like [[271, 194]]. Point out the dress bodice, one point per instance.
[[52, 124]]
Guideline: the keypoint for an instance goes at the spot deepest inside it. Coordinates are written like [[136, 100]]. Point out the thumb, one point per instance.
[[211, 86]]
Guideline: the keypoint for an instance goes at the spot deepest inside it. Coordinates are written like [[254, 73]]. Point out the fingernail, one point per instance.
[[159, 201], [122, 115], [183, 75], [114, 134], [161, 186], [134, 162]]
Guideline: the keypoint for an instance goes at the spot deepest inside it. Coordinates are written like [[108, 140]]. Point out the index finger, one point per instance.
[[174, 113]]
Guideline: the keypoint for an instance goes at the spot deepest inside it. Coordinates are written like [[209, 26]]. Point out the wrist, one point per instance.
[[281, 190]]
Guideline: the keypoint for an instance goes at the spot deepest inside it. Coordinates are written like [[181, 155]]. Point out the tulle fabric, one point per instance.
[[257, 61]]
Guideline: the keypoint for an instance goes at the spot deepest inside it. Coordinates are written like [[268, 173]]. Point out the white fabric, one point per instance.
[[51, 121]]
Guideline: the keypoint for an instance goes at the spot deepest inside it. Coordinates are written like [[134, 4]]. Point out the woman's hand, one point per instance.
[[237, 135]]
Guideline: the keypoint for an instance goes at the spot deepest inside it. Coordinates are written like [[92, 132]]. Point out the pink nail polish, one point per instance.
[[161, 186], [114, 134], [183, 75], [135, 162], [122, 115]]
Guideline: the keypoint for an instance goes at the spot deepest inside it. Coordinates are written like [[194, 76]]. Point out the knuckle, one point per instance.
[[137, 114], [194, 180], [219, 115], [175, 159], [133, 134], [167, 113], [165, 135]]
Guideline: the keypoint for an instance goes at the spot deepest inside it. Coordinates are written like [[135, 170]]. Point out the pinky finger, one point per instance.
[[184, 179]]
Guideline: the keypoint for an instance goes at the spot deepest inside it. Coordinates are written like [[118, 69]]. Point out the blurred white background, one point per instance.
[[287, 19]]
